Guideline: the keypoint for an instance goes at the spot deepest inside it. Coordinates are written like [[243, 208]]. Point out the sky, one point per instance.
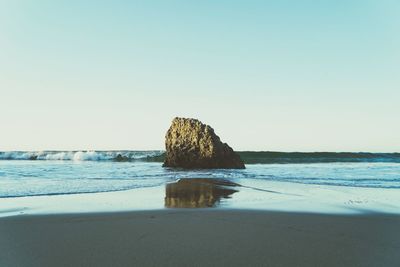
[[266, 75]]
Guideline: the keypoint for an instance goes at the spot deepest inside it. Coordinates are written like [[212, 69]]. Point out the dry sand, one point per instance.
[[200, 237]]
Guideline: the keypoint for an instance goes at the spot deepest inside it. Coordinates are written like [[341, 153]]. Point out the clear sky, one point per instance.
[[267, 75]]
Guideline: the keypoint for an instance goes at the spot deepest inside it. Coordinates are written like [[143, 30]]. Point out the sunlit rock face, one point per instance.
[[191, 144], [197, 192]]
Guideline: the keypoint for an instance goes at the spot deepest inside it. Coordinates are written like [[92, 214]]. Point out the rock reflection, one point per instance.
[[197, 192]]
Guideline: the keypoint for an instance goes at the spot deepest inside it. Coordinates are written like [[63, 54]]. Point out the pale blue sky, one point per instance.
[[267, 75]]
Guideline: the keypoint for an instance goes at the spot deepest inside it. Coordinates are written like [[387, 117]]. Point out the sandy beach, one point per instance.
[[200, 237], [199, 133]]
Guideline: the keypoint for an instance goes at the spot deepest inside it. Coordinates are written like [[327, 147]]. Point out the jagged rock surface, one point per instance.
[[191, 144]]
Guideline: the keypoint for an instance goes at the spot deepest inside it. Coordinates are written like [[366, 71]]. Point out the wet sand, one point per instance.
[[200, 237]]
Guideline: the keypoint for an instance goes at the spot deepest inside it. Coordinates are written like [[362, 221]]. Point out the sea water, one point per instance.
[[56, 173]]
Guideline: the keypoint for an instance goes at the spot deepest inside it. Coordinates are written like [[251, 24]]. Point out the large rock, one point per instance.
[[192, 144]]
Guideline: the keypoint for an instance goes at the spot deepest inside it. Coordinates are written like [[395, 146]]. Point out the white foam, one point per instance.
[[75, 155]]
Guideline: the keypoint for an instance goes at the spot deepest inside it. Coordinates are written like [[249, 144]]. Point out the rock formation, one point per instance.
[[191, 144]]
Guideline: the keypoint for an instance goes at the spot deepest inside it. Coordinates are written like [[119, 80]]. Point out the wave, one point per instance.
[[249, 157], [81, 155], [268, 157]]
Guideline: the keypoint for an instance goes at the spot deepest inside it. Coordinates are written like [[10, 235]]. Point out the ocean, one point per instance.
[[25, 173]]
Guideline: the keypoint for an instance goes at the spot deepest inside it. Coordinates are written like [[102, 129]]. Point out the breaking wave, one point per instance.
[[81, 155]]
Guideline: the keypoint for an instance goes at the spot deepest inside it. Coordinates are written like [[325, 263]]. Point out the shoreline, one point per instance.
[[200, 237], [250, 194], [204, 222]]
